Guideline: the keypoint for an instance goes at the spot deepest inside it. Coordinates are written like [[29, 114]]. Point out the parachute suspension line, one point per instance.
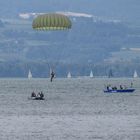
[[65, 47], [53, 65], [59, 57], [49, 66]]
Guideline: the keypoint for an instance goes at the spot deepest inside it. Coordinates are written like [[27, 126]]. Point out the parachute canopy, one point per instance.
[[51, 21]]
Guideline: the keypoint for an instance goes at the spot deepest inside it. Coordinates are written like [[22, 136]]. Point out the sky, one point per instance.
[[127, 10]]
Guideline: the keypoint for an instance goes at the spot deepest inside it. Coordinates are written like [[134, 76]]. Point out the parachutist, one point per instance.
[[52, 75], [51, 21]]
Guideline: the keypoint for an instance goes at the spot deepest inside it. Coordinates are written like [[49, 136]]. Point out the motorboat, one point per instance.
[[119, 90]]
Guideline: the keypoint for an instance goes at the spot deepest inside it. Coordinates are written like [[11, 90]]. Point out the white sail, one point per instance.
[[69, 75], [91, 74], [29, 75], [135, 74]]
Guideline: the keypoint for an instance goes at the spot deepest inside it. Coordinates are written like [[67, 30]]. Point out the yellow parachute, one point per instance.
[[51, 21]]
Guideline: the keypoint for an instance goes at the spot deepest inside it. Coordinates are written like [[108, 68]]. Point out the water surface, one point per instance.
[[73, 109]]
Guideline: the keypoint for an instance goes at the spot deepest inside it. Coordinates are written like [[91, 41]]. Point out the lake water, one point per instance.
[[73, 109]]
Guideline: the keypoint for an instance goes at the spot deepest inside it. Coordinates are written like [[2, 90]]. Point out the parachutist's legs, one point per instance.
[[51, 79]]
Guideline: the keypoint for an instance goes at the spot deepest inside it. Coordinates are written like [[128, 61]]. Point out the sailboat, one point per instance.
[[135, 74], [69, 75], [29, 75], [91, 74]]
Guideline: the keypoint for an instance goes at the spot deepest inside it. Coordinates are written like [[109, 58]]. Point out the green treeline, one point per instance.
[[90, 42]]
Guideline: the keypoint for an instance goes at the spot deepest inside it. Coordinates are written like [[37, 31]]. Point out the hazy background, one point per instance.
[[126, 10], [108, 39]]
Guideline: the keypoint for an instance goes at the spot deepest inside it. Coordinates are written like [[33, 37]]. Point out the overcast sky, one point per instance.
[[119, 9]]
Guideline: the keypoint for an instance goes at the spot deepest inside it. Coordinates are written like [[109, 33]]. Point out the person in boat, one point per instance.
[[52, 75], [114, 88], [109, 88], [131, 84], [38, 95], [33, 94], [41, 95], [121, 87]]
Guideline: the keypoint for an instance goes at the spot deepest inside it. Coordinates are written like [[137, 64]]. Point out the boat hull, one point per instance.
[[119, 90], [36, 98]]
